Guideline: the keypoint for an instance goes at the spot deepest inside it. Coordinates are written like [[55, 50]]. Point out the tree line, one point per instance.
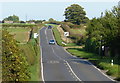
[[104, 32], [16, 19]]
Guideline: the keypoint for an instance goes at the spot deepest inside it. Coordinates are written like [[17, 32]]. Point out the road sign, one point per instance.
[[102, 47], [66, 34], [35, 35]]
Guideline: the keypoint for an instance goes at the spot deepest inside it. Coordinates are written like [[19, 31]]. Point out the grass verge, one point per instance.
[[21, 34], [103, 63], [57, 35], [32, 52]]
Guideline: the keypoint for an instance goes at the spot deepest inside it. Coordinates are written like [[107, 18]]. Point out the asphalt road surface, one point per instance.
[[58, 65]]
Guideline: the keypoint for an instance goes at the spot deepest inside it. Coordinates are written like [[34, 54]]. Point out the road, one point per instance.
[[59, 65]]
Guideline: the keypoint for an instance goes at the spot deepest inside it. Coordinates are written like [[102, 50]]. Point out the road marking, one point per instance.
[[92, 65], [53, 62], [100, 71], [73, 71], [66, 63], [46, 35], [41, 62], [42, 67], [56, 54], [67, 68]]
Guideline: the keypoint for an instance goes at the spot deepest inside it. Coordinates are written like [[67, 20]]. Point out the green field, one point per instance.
[[21, 34], [102, 63]]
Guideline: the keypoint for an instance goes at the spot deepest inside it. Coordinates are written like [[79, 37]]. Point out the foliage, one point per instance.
[[75, 14], [13, 18], [105, 31], [51, 20], [14, 64], [75, 35], [36, 21]]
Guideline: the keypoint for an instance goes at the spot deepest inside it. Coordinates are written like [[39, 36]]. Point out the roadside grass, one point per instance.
[[21, 34], [103, 63], [29, 52], [58, 38], [35, 68], [79, 52], [57, 35], [32, 52]]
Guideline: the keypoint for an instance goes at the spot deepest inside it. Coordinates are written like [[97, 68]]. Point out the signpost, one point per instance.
[[66, 34], [35, 35]]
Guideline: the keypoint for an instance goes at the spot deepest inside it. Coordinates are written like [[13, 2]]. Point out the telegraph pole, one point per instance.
[[26, 17]]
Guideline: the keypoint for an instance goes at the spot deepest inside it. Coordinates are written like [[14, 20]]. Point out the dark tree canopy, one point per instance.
[[13, 18], [51, 20], [75, 14], [105, 31]]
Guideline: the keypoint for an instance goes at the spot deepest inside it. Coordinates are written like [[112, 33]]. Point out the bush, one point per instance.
[[117, 78]]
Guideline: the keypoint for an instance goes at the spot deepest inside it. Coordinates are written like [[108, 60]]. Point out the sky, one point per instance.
[[45, 10]]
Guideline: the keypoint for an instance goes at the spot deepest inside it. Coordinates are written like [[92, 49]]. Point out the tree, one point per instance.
[[75, 14], [13, 18], [51, 20], [14, 64], [108, 27]]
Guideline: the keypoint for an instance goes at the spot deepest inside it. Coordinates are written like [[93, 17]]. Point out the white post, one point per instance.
[[112, 62]]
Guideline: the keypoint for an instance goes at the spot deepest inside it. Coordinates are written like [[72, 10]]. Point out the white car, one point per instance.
[[52, 41]]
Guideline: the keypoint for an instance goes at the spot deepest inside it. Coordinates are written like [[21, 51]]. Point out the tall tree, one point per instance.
[[51, 20], [107, 26], [13, 18], [14, 64], [75, 14]]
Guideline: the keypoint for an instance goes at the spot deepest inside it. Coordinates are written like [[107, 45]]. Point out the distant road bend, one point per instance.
[[58, 65]]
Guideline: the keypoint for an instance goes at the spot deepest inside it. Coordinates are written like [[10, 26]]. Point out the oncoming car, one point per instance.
[[52, 41], [49, 27]]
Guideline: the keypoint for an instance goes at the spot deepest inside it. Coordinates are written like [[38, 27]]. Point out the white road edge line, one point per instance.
[[100, 71], [41, 59], [73, 71], [42, 67], [88, 61], [67, 64], [93, 66]]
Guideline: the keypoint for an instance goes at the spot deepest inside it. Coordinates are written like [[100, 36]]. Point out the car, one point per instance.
[[52, 41], [49, 27]]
